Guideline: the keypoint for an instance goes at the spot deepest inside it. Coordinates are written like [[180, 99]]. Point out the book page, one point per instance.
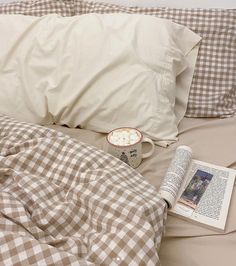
[[206, 196], [175, 174]]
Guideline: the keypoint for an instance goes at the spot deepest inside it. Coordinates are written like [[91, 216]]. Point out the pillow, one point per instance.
[[96, 71], [212, 92], [38, 7], [173, 3]]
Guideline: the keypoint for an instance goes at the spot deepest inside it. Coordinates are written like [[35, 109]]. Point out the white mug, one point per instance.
[[129, 151]]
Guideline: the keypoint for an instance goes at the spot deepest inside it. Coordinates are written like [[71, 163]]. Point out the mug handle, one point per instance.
[[149, 153]]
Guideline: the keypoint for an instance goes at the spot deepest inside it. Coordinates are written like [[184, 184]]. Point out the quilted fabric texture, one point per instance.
[[213, 90], [66, 203], [39, 7]]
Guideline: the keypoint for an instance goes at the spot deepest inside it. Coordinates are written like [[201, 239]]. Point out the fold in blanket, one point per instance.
[[66, 203]]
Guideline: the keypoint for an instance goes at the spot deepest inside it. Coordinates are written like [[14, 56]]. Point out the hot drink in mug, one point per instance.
[[126, 144]]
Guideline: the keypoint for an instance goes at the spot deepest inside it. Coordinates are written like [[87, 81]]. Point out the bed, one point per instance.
[[64, 199], [185, 243]]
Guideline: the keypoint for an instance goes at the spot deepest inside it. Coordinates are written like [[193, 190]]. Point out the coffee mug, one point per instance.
[[126, 144]]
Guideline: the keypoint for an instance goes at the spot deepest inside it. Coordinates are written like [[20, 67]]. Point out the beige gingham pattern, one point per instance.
[[66, 203], [213, 89], [38, 7]]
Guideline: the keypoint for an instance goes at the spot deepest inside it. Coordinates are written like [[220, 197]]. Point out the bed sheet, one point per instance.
[[184, 244]]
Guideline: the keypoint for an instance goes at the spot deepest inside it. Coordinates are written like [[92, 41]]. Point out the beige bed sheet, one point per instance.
[[186, 244]]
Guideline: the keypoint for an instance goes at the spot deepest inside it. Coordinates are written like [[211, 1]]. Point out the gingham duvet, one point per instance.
[[65, 203]]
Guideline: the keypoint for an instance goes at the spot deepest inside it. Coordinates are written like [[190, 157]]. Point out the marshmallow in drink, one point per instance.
[[124, 137]]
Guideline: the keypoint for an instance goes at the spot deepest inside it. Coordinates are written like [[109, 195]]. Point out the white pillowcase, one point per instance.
[[97, 71]]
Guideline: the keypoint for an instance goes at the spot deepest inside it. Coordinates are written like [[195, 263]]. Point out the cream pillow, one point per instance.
[[97, 71]]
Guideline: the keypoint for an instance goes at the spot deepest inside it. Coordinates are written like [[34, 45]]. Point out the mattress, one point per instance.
[[213, 141]]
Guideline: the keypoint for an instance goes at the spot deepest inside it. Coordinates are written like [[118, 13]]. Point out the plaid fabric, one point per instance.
[[39, 7], [66, 203], [213, 89]]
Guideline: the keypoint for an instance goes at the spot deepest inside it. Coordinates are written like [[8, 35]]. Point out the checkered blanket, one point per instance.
[[66, 203]]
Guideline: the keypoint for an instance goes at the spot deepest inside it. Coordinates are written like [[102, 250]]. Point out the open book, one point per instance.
[[198, 191]]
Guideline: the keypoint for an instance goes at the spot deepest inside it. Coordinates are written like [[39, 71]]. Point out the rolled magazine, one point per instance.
[[197, 191]]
